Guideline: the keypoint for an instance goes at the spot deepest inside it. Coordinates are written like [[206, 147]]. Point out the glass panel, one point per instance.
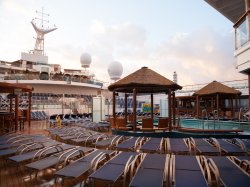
[[242, 34]]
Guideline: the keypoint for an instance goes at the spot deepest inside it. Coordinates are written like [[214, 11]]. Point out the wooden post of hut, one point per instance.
[[114, 116], [134, 109], [126, 108], [10, 97], [197, 106], [16, 112], [217, 104], [174, 111], [169, 110], [152, 106], [29, 109]]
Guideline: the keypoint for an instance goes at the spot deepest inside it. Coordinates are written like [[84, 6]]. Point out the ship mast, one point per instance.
[[41, 31]]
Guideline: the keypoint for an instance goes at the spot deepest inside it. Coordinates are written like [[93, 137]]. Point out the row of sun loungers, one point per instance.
[[185, 146], [133, 161]]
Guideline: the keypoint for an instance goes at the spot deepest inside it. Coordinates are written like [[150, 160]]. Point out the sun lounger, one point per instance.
[[228, 173], [23, 147], [243, 143], [247, 144], [177, 146], [129, 145], [186, 171], [56, 159], [112, 171], [227, 148], [151, 171], [83, 165], [203, 147], [41, 153], [108, 142], [153, 145], [17, 141], [82, 138], [242, 161]]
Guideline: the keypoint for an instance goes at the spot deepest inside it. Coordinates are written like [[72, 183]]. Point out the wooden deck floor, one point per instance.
[[13, 176]]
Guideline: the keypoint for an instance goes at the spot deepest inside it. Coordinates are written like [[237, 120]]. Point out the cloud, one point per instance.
[[198, 57]]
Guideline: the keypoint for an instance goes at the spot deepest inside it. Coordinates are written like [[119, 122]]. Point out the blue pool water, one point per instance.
[[211, 124]]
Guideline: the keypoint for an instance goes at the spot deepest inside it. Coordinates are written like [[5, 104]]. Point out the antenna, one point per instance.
[[41, 31]]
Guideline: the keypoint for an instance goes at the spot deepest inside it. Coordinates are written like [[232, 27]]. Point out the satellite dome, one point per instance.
[[115, 70], [85, 60]]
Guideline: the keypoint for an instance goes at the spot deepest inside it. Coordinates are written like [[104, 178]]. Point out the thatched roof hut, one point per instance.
[[216, 88], [216, 91], [147, 81], [144, 80]]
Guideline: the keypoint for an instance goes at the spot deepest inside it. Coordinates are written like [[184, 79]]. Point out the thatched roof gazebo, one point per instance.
[[14, 90], [215, 90], [142, 81]]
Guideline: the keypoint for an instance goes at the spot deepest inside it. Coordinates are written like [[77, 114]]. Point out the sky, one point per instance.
[[189, 37]]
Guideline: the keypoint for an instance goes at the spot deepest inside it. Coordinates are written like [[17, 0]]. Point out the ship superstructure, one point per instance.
[[56, 90]]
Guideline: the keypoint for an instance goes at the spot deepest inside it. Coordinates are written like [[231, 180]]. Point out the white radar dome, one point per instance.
[[115, 70], [85, 60]]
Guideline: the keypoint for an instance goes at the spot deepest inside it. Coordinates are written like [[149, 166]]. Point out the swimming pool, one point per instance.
[[217, 125]]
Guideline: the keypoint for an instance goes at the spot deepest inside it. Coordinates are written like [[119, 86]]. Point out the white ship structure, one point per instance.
[[56, 90]]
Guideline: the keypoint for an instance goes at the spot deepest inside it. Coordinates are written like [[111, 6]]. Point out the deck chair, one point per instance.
[[84, 137], [227, 173], [226, 147], [39, 154], [203, 147], [153, 145], [247, 144], [147, 124], [56, 159], [130, 144], [177, 146], [23, 148], [67, 138], [20, 140], [11, 137], [244, 144], [151, 171], [242, 161], [112, 123], [186, 171], [83, 165], [111, 172], [163, 124], [121, 124], [107, 143]]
